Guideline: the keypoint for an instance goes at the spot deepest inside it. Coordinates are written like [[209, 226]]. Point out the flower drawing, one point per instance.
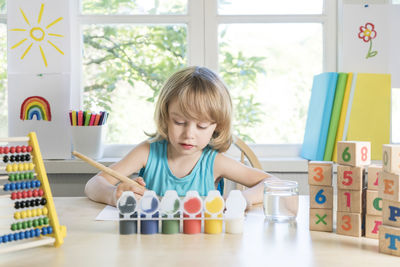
[[367, 33]]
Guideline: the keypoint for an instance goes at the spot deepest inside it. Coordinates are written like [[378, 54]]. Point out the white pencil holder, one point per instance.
[[88, 140]]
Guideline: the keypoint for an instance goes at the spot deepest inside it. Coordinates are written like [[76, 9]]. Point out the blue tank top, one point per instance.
[[158, 176]]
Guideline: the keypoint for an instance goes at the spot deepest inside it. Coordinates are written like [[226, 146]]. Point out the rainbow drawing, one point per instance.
[[35, 106]]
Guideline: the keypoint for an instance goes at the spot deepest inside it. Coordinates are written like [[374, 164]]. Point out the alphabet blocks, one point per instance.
[[321, 220], [389, 186], [391, 213], [320, 173], [321, 197], [350, 201], [350, 178], [354, 153], [373, 203], [389, 240], [349, 224], [373, 176], [372, 225], [391, 158]]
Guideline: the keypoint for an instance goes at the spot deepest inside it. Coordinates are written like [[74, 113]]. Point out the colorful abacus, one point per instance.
[[35, 215], [190, 212]]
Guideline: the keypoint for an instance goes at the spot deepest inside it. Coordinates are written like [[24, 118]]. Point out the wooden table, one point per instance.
[[98, 243]]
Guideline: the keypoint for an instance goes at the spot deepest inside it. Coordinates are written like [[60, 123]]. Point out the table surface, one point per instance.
[[98, 243]]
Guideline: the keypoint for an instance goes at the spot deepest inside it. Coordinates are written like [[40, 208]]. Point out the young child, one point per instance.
[[193, 118]]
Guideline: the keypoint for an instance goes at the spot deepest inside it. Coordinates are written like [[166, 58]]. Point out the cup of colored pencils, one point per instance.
[[87, 132]]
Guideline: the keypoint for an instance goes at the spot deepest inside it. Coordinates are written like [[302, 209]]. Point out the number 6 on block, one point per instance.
[[321, 197], [354, 153]]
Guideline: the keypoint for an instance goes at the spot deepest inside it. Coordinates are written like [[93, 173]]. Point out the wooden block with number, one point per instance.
[[373, 176], [351, 177], [320, 173], [351, 201], [391, 158], [391, 213], [389, 240], [348, 223], [354, 153], [374, 203], [372, 225], [321, 220], [321, 197], [389, 186]]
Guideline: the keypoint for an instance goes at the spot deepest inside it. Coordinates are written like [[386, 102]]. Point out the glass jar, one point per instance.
[[281, 200]]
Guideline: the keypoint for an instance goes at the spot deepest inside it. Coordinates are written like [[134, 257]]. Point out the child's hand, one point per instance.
[[129, 187]]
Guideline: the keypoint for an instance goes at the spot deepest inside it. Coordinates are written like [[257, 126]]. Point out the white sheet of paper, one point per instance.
[[109, 213], [54, 136], [354, 49], [43, 24]]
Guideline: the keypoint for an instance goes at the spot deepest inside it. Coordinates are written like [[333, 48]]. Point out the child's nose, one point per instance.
[[189, 131]]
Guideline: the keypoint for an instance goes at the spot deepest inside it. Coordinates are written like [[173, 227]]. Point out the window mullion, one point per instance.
[[211, 34], [196, 34]]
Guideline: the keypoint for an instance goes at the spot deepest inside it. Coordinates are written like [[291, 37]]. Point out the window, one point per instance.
[[266, 55]]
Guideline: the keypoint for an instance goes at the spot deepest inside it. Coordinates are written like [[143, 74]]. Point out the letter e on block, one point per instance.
[[389, 186], [320, 173], [389, 240]]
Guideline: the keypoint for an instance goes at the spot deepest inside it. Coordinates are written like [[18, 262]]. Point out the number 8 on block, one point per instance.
[[321, 197], [354, 153]]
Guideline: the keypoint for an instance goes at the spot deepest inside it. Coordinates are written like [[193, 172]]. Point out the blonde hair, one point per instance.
[[201, 95]]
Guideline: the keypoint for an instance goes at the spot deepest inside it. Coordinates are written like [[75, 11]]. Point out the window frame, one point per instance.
[[202, 20]]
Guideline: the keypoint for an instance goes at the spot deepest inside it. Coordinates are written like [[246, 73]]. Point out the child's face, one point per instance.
[[187, 136]]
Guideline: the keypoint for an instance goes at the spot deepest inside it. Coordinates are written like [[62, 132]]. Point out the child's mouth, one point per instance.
[[187, 146]]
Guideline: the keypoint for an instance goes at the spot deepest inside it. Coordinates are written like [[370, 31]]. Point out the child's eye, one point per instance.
[[202, 126], [179, 122]]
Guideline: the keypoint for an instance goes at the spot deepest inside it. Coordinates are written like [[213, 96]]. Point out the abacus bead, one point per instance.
[[16, 205], [21, 167], [14, 227], [40, 192], [23, 149], [39, 212], [45, 211], [27, 157], [38, 183], [11, 237], [12, 186], [5, 159], [11, 177], [31, 175], [43, 201], [27, 234], [7, 187], [18, 149], [17, 186], [5, 238], [19, 195], [12, 149], [22, 185], [21, 235], [29, 213], [23, 214], [14, 167], [30, 166], [44, 231], [16, 236], [37, 232], [35, 202], [29, 148], [13, 195], [17, 158], [24, 225], [49, 229], [1, 150], [46, 220], [35, 193], [40, 221], [12, 158], [35, 223], [6, 150]]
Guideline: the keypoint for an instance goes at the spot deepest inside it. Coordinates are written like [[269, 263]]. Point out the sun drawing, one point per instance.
[[36, 35]]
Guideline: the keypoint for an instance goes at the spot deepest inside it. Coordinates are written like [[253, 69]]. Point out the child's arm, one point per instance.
[[103, 187], [237, 172]]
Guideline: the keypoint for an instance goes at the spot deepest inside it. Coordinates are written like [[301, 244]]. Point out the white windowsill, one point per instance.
[[75, 166]]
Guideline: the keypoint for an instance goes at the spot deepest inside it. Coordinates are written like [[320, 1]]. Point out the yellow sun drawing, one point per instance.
[[37, 34]]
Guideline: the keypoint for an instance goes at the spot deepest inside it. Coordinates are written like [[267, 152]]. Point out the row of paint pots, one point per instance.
[[172, 211]]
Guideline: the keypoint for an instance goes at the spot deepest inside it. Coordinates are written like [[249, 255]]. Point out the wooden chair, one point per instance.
[[245, 153]]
